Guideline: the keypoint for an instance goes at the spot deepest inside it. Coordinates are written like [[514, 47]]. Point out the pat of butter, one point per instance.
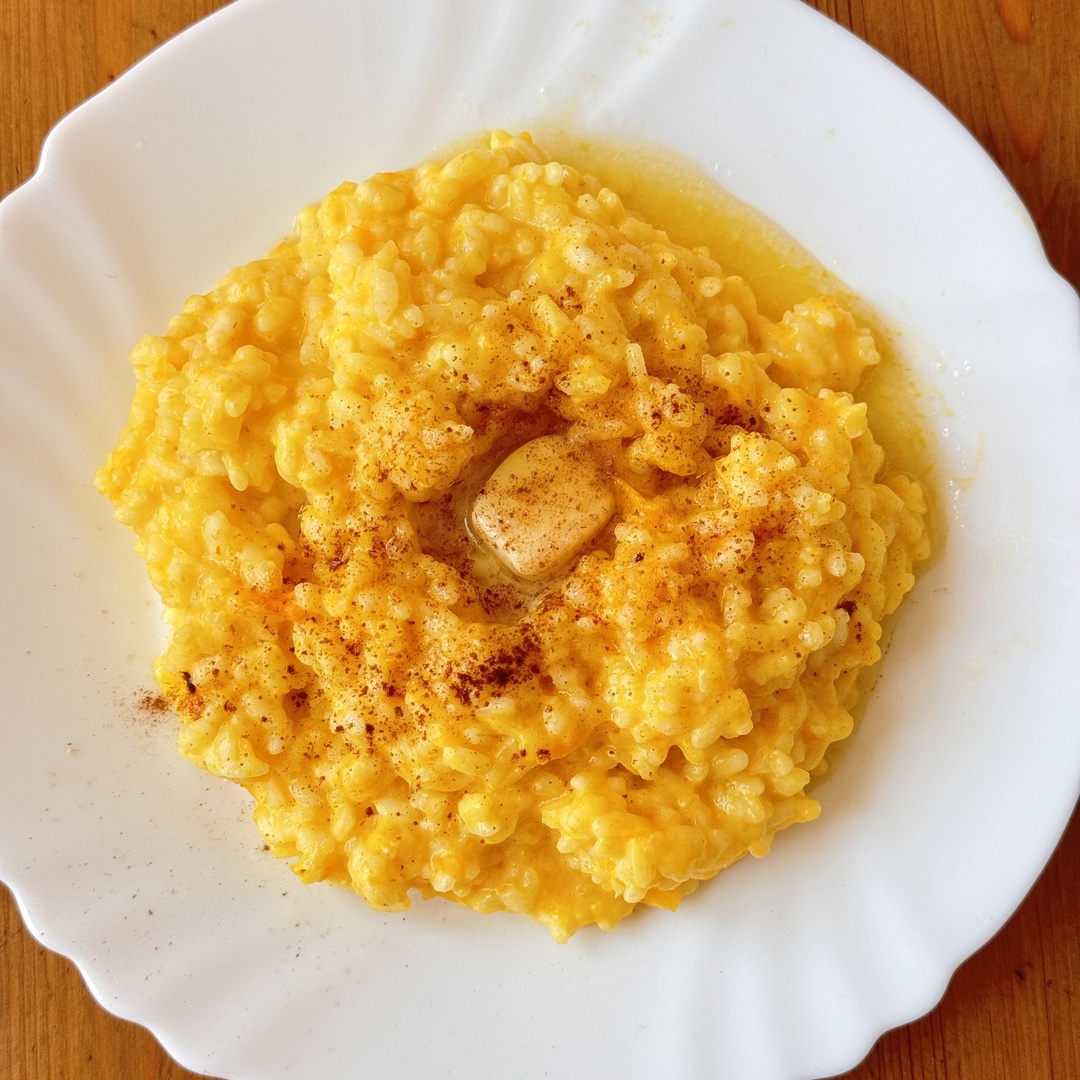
[[542, 505]]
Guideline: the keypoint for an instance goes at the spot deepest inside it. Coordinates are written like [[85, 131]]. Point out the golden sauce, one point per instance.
[[680, 197]]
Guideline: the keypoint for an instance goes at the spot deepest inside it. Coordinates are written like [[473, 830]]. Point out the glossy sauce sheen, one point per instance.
[[677, 195]]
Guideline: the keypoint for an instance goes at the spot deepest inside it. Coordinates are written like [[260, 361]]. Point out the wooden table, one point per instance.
[[1010, 69]]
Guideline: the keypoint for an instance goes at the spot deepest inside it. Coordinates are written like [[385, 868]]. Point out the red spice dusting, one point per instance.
[[153, 704], [514, 664]]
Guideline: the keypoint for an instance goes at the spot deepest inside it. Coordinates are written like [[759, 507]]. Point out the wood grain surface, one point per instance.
[[1010, 70]]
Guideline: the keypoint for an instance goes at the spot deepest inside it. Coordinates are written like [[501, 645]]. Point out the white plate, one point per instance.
[[149, 875]]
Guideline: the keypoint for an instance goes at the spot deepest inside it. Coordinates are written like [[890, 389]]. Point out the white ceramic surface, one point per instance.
[[150, 875]]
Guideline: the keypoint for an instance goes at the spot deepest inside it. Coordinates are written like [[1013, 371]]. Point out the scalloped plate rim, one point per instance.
[[38, 185]]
